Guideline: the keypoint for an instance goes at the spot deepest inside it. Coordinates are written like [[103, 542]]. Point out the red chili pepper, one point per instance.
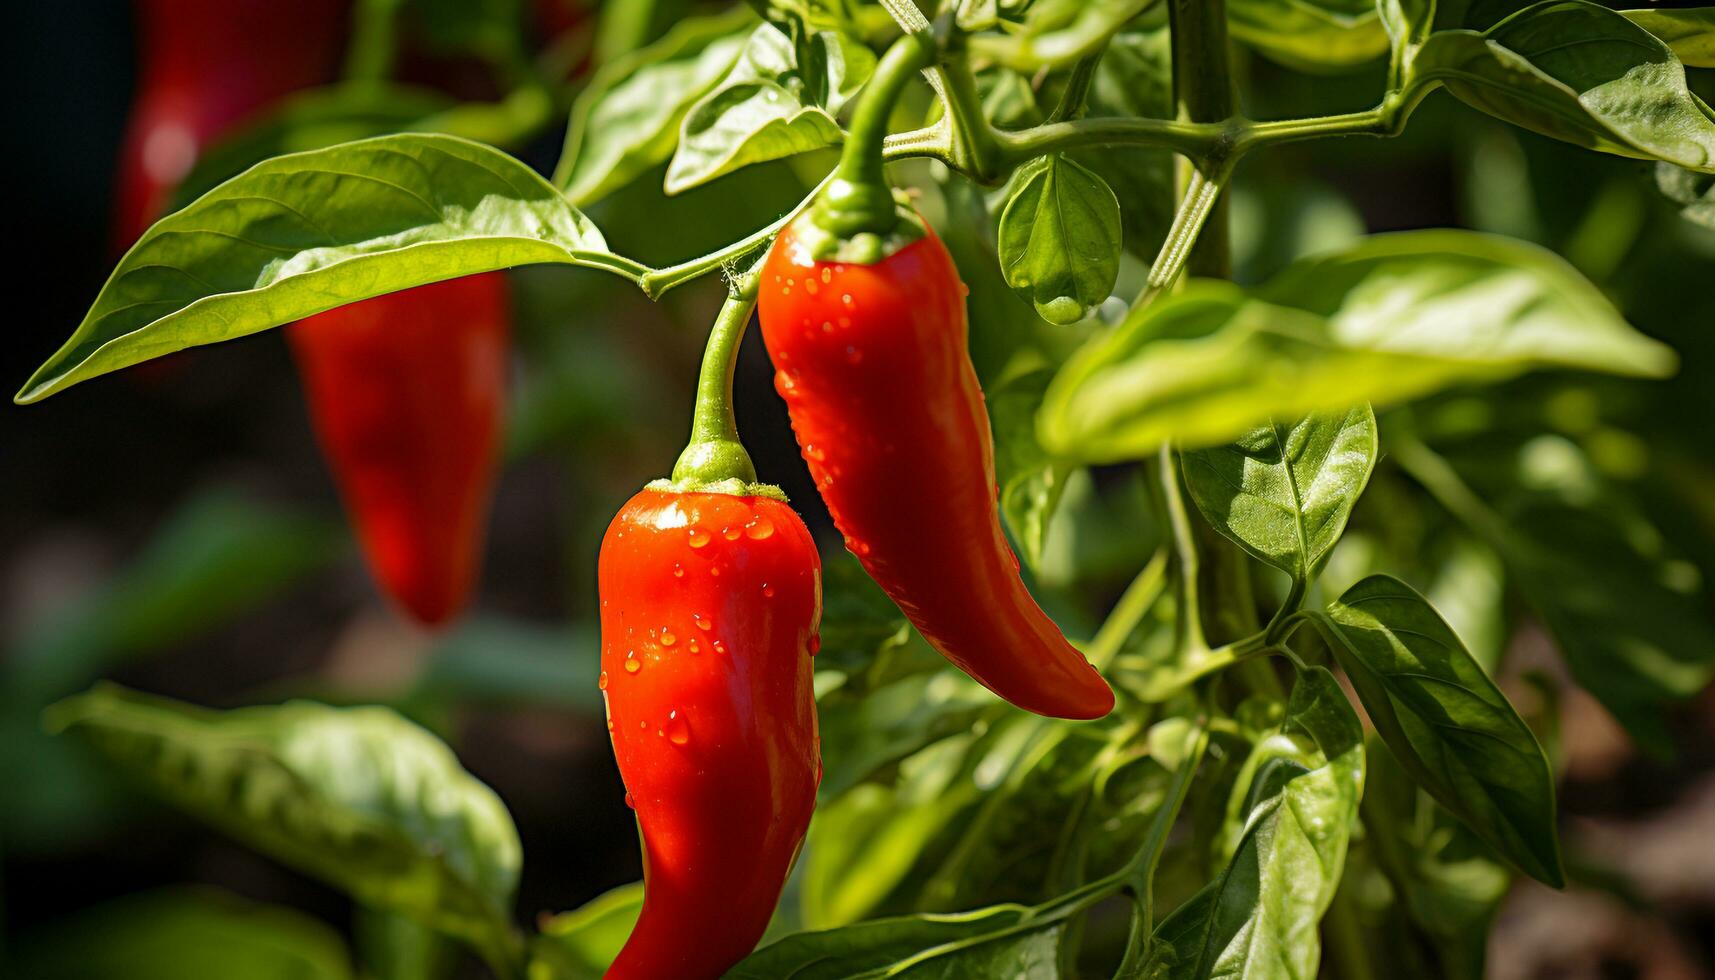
[[710, 605], [205, 65], [407, 392], [873, 364]]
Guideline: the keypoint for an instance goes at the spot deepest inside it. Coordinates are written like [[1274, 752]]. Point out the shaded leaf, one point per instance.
[[1258, 918], [1446, 721], [1284, 492], [1310, 35], [581, 944], [1031, 482], [358, 797], [627, 121], [1577, 72], [184, 934]]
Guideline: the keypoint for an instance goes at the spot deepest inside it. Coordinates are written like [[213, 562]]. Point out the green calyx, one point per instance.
[[730, 487], [715, 461], [832, 232]]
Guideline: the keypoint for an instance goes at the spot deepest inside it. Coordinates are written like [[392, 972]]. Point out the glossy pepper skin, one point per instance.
[[406, 392], [710, 606], [873, 364], [205, 65]]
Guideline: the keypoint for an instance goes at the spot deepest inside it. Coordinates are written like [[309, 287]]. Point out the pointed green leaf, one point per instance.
[[1446, 722], [1283, 492], [1060, 237], [761, 111], [1258, 919], [627, 121], [358, 797], [1577, 72], [1690, 34], [304, 233], [1392, 318]]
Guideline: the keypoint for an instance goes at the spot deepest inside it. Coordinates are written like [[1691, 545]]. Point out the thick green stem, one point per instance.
[[715, 454], [1186, 557], [1203, 93], [859, 200]]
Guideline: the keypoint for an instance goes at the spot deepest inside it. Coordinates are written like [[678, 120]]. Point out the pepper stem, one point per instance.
[[714, 453], [859, 200]]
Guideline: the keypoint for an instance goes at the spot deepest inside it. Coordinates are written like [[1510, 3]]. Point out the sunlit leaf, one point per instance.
[[581, 944], [1060, 237], [300, 234], [1283, 492], [1311, 35], [1390, 319]]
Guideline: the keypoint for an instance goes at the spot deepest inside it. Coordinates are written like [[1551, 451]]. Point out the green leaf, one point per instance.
[[1031, 483], [1693, 192], [358, 797], [1257, 920], [1446, 722], [1390, 319], [312, 120], [300, 234], [1310, 35], [1580, 73], [1690, 34], [760, 110], [1407, 22], [184, 934], [580, 945], [627, 121], [1283, 492], [993, 942], [1059, 238]]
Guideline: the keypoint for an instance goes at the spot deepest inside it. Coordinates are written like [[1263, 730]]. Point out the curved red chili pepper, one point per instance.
[[406, 392], [203, 66], [710, 605], [873, 364]]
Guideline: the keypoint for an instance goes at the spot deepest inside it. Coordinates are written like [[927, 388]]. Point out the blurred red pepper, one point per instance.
[[407, 393], [710, 603], [873, 364], [203, 66]]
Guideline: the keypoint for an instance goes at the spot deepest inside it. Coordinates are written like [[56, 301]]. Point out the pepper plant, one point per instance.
[[1308, 765]]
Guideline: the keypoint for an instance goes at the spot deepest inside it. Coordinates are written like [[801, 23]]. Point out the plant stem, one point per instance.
[[1140, 870], [1185, 555], [370, 55], [859, 200], [1203, 93], [1077, 91], [715, 453], [1133, 605]]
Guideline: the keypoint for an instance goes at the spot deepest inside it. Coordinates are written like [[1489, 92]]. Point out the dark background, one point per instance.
[[94, 477]]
